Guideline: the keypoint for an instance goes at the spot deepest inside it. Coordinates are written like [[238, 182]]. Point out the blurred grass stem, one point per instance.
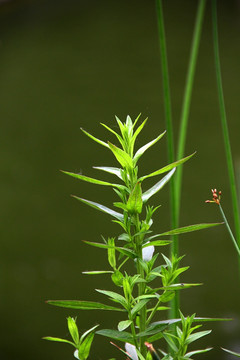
[[229, 230], [225, 131]]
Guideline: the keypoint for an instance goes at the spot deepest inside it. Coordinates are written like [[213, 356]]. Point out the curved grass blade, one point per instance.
[[125, 251], [190, 228], [111, 170], [158, 186], [82, 305], [142, 150], [50, 338], [168, 167], [122, 157], [114, 132], [117, 335], [232, 352], [100, 207], [92, 180], [94, 138]]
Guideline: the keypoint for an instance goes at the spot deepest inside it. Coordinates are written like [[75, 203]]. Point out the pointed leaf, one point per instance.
[[87, 332], [97, 272], [100, 207], [138, 130], [122, 325], [111, 170], [189, 354], [142, 150], [95, 139], [158, 186], [117, 335], [115, 296], [134, 203], [72, 327], [114, 132], [92, 180], [189, 228], [50, 338], [178, 286], [196, 336], [232, 352], [122, 157], [196, 319], [122, 250], [84, 348], [82, 305], [157, 243], [167, 168]]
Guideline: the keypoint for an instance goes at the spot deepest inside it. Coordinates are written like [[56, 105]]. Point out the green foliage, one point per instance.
[[142, 294], [82, 344]]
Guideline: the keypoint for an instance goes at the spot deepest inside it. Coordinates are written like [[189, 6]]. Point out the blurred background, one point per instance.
[[68, 64]]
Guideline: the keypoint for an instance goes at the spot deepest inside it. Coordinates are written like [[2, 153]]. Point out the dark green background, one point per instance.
[[67, 64]]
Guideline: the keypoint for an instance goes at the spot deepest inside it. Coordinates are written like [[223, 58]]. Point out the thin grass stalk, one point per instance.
[[229, 230], [224, 124], [170, 137], [188, 96]]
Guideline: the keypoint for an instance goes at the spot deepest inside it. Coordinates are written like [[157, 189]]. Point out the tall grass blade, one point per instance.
[[223, 117]]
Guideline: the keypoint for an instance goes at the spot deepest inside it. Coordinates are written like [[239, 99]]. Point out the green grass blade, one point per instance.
[[225, 131], [100, 207], [166, 168], [190, 228], [188, 94], [94, 138], [50, 338], [92, 180], [82, 305]]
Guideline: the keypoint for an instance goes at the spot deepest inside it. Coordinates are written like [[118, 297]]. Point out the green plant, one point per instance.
[[143, 293]]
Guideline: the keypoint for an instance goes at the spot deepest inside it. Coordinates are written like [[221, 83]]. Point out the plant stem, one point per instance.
[[225, 131], [229, 230], [188, 95], [141, 288]]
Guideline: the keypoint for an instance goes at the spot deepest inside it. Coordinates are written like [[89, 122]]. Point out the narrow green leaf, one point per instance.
[[117, 335], [189, 354], [138, 130], [114, 132], [178, 286], [189, 228], [111, 253], [87, 332], [84, 348], [122, 250], [82, 305], [95, 139], [167, 168], [196, 336], [100, 207], [72, 327], [115, 296], [142, 150], [122, 157], [157, 243], [232, 352], [92, 180], [110, 170], [134, 203], [122, 325], [139, 306], [196, 319], [50, 338], [158, 186], [97, 272]]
